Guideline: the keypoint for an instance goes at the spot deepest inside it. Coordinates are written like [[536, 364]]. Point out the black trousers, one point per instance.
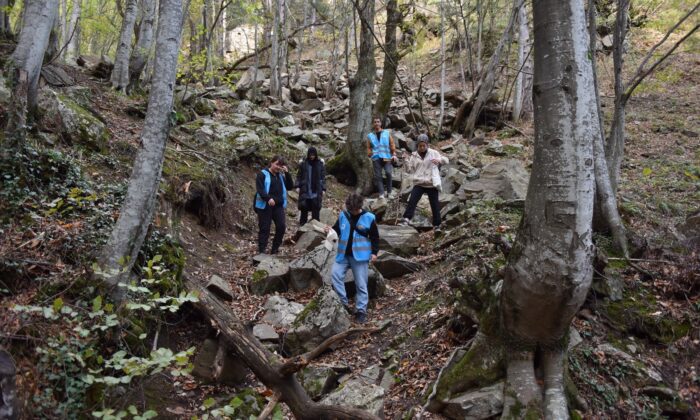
[[311, 205], [265, 218], [433, 197]]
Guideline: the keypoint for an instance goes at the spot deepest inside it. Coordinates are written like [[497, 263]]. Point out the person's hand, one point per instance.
[[374, 258], [326, 229], [394, 158], [271, 202], [283, 169], [435, 161], [405, 155]]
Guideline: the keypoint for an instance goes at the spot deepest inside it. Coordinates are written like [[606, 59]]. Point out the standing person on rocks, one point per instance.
[[271, 186], [358, 244], [424, 167], [311, 184], [381, 149]]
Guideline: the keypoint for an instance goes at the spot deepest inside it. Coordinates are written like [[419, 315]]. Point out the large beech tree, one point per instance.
[[550, 266]]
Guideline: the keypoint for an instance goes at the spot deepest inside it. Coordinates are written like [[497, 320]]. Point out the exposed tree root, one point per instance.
[[555, 406], [521, 384]]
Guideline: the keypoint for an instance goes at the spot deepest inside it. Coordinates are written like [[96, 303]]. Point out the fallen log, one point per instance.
[[266, 366]]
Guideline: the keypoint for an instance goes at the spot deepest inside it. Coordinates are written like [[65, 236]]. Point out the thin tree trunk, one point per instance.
[[5, 9], [142, 49], [24, 66], [119, 254], [207, 17], [442, 68], [283, 42], [391, 60], [361, 87], [550, 266], [479, 34], [54, 46], [523, 44], [468, 42], [275, 83], [488, 76], [120, 73], [73, 44]]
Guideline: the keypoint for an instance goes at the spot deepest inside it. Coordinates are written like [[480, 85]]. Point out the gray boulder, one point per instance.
[[391, 265], [311, 103], [73, 122], [322, 318], [291, 132], [251, 77], [220, 288], [270, 276], [280, 312], [480, 404], [400, 240], [309, 236], [310, 270], [609, 285], [328, 216], [245, 107], [506, 179], [265, 332], [356, 393], [318, 380]]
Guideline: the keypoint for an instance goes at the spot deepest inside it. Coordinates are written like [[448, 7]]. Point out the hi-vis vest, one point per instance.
[[259, 202], [361, 245], [380, 146]]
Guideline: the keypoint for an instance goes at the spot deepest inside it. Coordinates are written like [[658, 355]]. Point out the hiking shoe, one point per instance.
[[382, 196], [437, 229], [404, 222], [360, 317], [392, 195]]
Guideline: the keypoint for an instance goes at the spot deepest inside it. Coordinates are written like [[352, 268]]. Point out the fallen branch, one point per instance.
[[237, 338], [297, 363], [270, 406]]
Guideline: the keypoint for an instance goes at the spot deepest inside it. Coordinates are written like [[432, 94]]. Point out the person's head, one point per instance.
[[277, 163], [354, 203], [377, 123], [312, 154], [422, 146]]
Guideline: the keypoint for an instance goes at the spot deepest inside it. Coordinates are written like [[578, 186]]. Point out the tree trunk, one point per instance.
[[266, 367], [488, 76], [361, 88], [52, 50], [275, 82], [391, 60], [5, 9], [142, 49], [137, 210], [207, 18], [523, 83], [479, 34], [73, 33], [120, 73], [24, 66], [442, 68], [614, 149], [550, 267]]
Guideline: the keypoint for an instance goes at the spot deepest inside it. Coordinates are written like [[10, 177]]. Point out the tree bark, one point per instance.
[[550, 267], [274, 61], [391, 60], [361, 89], [136, 212], [523, 85], [120, 73], [238, 339], [442, 68], [142, 49], [24, 66], [488, 76], [5, 28], [73, 32]]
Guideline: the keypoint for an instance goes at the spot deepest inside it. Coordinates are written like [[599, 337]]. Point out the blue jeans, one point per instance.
[[360, 271]]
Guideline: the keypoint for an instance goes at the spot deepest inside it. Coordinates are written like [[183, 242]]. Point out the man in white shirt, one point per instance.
[[424, 167]]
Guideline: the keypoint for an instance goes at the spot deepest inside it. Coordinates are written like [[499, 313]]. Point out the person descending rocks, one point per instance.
[[424, 168], [271, 185], [358, 244], [311, 184], [381, 149]]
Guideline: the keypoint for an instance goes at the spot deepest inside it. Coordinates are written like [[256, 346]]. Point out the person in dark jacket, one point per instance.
[[358, 244], [311, 184], [271, 186]]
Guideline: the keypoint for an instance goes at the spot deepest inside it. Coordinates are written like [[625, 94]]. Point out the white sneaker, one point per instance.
[[382, 196], [404, 222], [392, 195]]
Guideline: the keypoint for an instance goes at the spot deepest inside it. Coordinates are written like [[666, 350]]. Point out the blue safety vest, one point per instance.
[[259, 202], [361, 245], [380, 146]]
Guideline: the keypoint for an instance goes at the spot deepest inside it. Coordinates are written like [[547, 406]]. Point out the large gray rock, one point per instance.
[[233, 371], [391, 265], [309, 236], [270, 276], [265, 332], [220, 287], [356, 393], [322, 318], [312, 269], [291, 132], [281, 313], [480, 404], [609, 285], [251, 77], [310, 104], [312, 226], [506, 179], [245, 107], [652, 376], [400, 240], [328, 216], [73, 122], [317, 380]]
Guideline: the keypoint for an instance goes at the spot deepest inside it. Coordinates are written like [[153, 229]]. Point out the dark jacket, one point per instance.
[[275, 187], [305, 173]]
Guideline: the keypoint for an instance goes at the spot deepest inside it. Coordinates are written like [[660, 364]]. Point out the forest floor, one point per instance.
[[660, 185]]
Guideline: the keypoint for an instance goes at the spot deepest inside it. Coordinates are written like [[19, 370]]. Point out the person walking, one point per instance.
[[271, 186], [358, 244], [311, 184], [382, 151], [424, 167]]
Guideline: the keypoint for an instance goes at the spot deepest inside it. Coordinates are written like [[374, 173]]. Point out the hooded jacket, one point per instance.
[[310, 178], [421, 169]]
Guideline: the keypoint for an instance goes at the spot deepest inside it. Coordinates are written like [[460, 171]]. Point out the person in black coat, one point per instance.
[[311, 184]]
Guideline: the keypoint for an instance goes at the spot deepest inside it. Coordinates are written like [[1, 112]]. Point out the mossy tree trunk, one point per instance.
[[391, 60], [550, 266], [361, 89], [136, 212], [24, 66], [5, 9], [120, 73]]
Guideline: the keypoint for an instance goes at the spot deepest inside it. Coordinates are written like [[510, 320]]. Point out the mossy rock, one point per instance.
[[73, 122]]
